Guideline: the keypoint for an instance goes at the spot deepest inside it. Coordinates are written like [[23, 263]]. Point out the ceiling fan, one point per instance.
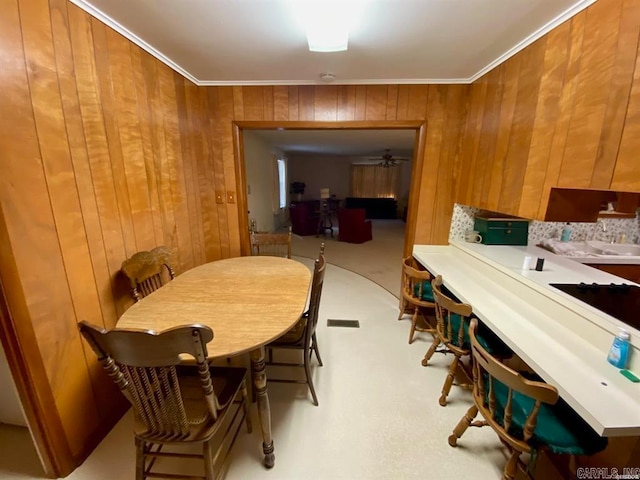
[[388, 160]]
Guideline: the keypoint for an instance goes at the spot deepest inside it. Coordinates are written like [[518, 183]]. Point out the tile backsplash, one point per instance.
[[462, 221]]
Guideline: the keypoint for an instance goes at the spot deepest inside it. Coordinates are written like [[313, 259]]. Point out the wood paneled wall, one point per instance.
[[563, 112], [106, 151]]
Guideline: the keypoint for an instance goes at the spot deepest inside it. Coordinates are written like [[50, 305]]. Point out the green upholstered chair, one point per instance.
[[452, 330], [417, 299], [526, 414]]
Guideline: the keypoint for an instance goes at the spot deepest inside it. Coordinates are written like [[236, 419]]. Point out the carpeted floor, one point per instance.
[[379, 260]]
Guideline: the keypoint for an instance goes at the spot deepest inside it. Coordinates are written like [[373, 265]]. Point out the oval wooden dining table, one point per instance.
[[247, 302]]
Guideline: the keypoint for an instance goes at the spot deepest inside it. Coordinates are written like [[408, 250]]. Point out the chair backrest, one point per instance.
[[316, 293], [148, 271], [445, 308], [143, 365], [273, 244], [487, 371], [414, 282]]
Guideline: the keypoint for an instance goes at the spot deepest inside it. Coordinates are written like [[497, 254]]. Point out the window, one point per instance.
[[375, 181], [282, 182]]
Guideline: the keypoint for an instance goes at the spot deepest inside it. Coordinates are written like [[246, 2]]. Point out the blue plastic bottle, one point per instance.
[[619, 351], [566, 233]]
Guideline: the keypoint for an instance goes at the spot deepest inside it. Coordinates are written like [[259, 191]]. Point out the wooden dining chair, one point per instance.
[[173, 403], [417, 298], [273, 244], [526, 414], [303, 334], [452, 330], [148, 271]]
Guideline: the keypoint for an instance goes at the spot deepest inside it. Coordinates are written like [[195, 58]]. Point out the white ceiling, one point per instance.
[[340, 143], [244, 42]]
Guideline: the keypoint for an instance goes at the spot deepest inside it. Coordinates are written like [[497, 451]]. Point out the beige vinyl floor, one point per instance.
[[378, 416]]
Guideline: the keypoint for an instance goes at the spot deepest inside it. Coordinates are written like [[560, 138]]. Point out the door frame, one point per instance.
[[420, 127]]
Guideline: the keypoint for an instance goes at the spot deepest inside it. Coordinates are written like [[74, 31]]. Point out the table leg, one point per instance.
[[264, 410]]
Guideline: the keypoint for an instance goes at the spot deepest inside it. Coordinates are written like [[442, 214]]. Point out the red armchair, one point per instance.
[[352, 226]]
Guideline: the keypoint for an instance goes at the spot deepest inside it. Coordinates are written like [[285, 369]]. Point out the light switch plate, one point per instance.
[[231, 197], [219, 196]]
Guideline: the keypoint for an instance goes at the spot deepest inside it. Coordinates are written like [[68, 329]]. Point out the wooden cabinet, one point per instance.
[[628, 271]]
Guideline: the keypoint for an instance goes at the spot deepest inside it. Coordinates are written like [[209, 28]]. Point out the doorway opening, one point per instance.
[[322, 156]]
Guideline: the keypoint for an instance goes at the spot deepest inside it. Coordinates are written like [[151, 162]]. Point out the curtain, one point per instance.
[[375, 181]]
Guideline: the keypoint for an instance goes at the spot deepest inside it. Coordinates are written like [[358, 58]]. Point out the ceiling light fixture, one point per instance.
[[328, 22]]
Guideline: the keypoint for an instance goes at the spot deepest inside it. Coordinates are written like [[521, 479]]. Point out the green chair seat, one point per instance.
[[427, 291], [489, 340], [559, 427]]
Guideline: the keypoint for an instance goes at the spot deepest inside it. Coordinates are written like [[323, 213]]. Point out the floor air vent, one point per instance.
[[332, 322]]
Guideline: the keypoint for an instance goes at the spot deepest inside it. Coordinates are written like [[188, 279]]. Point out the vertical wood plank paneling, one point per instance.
[[361, 102], [565, 109], [554, 67], [376, 104], [84, 260], [280, 102], [625, 175], [294, 108], [230, 243], [402, 111], [143, 116], [325, 107], [306, 100], [238, 103], [392, 102], [619, 91], [253, 102], [267, 97], [509, 80], [587, 121], [97, 273], [523, 120], [95, 138], [176, 180], [417, 101], [109, 113], [26, 219], [346, 103], [69, 258]]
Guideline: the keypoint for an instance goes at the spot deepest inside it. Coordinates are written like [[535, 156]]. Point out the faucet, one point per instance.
[[602, 225]]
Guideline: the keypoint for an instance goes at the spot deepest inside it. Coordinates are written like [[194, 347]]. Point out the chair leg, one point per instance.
[[307, 371], [245, 406], [511, 467], [314, 344], [463, 424], [414, 321], [209, 473], [446, 388], [139, 459], [431, 351], [403, 303]]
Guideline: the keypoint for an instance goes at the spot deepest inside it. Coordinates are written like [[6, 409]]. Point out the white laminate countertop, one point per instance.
[[562, 339]]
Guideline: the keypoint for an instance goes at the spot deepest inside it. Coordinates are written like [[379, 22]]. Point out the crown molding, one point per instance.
[[564, 16], [108, 21], [378, 81], [104, 18]]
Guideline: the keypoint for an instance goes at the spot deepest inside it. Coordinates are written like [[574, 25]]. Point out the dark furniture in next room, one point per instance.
[[304, 217], [375, 207], [352, 226]]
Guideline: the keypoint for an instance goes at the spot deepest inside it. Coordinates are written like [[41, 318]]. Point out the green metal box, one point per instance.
[[496, 229]]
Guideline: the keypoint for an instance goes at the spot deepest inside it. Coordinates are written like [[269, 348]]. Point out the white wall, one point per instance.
[[10, 407], [258, 168]]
